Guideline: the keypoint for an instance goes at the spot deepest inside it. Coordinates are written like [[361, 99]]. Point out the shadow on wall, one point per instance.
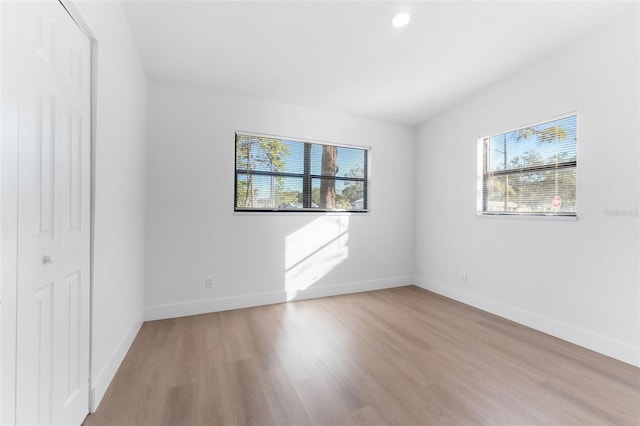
[[313, 251]]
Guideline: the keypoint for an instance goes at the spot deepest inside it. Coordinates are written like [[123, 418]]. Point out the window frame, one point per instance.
[[306, 176], [484, 173]]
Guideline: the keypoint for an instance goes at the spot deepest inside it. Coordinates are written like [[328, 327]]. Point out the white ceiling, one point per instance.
[[345, 56]]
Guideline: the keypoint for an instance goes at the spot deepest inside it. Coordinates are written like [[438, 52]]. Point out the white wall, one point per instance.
[[192, 230], [119, 222], [578, 280]]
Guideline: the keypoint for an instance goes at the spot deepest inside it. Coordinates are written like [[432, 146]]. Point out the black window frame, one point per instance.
[[306, 176], [483, 209]]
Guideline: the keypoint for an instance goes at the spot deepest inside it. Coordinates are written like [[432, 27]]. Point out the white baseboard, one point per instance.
[[100, 383], [596, 342], [353, 287], [197, 307]]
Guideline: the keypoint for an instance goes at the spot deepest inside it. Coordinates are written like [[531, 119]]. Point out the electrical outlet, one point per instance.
[[208, 281]]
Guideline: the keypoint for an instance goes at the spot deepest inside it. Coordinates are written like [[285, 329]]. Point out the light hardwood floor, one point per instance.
[[398, 356]]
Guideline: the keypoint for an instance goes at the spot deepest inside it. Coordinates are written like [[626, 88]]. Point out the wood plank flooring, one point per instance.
[[401, 356]]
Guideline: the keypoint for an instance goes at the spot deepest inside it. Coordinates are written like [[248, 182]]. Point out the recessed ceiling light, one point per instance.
[[399, 20]]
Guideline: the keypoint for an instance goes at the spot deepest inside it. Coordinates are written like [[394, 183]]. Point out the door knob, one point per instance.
[[47, 258]]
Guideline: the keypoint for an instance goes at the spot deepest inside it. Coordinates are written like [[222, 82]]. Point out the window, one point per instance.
[[530, 171], [283, 174]]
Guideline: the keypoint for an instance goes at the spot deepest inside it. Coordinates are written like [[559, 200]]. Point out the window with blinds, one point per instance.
[[531, 170], [283, 174]]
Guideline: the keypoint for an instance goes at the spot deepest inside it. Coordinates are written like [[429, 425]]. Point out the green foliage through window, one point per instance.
[[278, 174], [532, 170]]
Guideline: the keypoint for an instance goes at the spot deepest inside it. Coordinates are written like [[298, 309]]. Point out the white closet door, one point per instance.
[[53, 217]]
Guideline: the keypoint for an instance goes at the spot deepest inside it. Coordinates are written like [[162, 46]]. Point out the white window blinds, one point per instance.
[[281, 174], [531, 170]]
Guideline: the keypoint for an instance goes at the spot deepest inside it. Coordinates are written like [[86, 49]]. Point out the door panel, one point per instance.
[[71, 333], [44, 367], [44, 127], [74, 172], [53, 217]]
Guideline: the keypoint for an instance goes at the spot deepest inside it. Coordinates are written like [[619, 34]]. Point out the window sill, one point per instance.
[[527, 216], [300, 213]]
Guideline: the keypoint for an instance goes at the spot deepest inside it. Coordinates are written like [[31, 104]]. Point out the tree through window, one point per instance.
[[281, 174], [531, 170]]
